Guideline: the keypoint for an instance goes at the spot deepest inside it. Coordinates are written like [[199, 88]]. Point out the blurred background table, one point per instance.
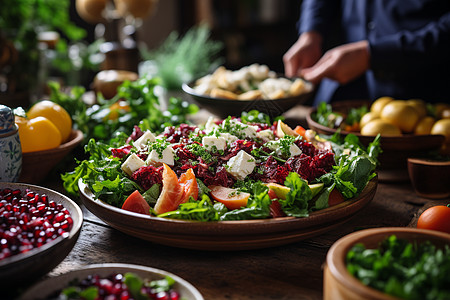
[[292, 271]]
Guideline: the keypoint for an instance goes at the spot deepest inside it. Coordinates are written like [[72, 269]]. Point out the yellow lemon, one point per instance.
[[418, 105], [37, 134], [442, 127], [424, 126], [56, 114], [370, 116], [382, 127], [400, 114], [377, 105]]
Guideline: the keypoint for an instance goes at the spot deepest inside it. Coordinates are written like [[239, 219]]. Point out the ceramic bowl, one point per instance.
[[396, 149], [46, 288], [226, 235], [430, 178], [36, 165], [31, 265], [339, 284], [227, 107]]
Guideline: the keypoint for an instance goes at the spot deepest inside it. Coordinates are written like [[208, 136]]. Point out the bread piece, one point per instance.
[[219, 93], [251, 95], [297, 87]]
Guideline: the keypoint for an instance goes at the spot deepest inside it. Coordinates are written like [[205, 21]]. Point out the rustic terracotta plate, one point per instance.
[[228, 107], [340, 284], [46, 288], [226, 235], [396, 150], [39, 261]]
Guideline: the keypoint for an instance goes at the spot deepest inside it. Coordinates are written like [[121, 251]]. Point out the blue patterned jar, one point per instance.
[[10, 149]]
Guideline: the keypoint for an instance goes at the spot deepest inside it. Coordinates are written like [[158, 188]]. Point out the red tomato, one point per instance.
[[335, 197], [435, 218], [136, 203]]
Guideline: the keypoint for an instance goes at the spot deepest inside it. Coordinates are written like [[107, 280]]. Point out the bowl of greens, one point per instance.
[[389, 263]]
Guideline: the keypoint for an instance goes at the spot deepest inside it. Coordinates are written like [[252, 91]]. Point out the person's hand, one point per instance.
[[343, 63], [303, 54]]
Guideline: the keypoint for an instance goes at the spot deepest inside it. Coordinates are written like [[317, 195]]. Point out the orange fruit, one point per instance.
[[56, 114], [400, 114]]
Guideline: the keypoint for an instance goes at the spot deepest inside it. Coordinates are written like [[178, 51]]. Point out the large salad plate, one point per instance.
[[226, 235], [46, 288]]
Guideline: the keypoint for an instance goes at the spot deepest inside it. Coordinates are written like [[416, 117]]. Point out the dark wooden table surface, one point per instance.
[[292, 271]]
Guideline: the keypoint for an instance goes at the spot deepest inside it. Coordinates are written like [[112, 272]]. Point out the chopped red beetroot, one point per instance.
[[122, 151], [137, 133], [147, 176]]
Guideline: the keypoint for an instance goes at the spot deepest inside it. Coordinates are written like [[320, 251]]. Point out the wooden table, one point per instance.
[[292, 271]]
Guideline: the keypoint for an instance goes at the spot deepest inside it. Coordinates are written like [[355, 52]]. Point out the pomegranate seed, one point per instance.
[[162, 296], [26, 221], [173, 295]]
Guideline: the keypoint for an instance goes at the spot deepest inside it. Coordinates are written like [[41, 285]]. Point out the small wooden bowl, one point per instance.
[[52, 285], [37, 165], [21, 269], [396, 149], [340, 284], [429, 178]]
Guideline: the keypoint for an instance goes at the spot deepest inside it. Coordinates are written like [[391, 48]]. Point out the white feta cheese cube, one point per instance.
[[157, 159], [132, 164], [247, 131], [144, 139], [209, 142], [241, 165], [266, 135], [228, 137]]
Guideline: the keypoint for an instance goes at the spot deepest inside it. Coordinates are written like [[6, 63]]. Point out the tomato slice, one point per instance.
[[231, 198], [335, 197], [136, 203]]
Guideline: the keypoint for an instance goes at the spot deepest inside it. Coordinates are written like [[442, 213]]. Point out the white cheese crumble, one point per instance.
[[156, 159], [209, 142], [144, 139], [241, 165], [132, 164]]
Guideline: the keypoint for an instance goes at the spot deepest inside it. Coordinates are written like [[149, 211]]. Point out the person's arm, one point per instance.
[[314, 19]]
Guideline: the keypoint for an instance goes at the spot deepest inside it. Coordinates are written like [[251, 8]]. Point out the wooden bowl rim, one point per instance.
[[427, 162], [335, 258]]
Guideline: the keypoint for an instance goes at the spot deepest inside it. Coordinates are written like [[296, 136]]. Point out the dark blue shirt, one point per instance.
[[409, 44]]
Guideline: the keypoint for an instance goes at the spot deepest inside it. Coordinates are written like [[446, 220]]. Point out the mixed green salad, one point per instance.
[[233, 169]]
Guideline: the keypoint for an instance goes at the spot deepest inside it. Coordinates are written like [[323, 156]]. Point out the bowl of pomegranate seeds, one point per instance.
[[112, 281], [38, 229]]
